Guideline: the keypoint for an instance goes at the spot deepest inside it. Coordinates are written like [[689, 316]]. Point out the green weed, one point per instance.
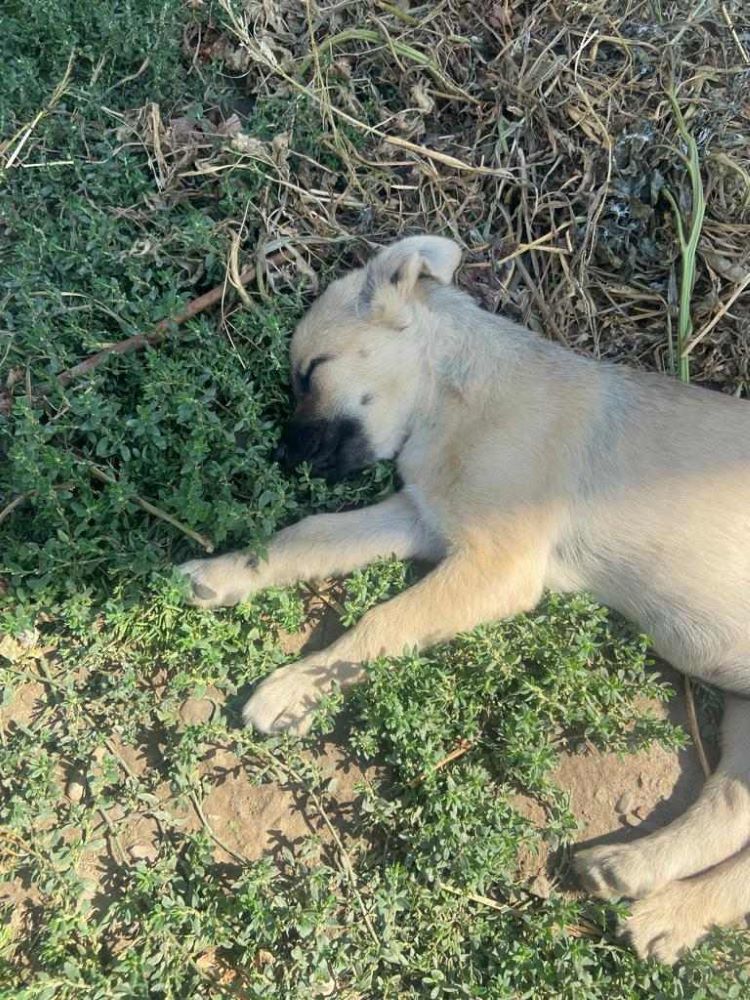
[[422, 896]]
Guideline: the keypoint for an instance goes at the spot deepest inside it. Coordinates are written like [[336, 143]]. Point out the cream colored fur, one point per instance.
[[528, 467]]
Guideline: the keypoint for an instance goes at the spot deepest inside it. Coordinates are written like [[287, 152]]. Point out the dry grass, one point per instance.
[[548, 138], [568, 147]]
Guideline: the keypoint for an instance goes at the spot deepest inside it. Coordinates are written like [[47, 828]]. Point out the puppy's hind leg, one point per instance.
[[716, 826], [676, 917]]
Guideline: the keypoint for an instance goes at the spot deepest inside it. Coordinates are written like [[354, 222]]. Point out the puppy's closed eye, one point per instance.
[[303, 381]]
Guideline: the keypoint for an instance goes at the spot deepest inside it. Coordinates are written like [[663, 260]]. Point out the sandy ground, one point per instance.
[[613, 798]]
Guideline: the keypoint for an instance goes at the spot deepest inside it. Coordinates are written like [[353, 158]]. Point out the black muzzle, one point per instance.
[[333, 448]]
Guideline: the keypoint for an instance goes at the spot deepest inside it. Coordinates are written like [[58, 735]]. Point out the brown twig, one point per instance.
[[330, 602], [23, 497], [139, 341], [150, 508], [581, 929], [463, 747], [695, 730], [15, 502]]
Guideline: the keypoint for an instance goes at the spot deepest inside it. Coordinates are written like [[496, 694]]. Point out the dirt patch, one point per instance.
[[255, 820], [614, 797], [617, 798], [26, 702]]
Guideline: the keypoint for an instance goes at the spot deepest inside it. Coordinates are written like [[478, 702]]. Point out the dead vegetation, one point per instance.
[[568, 146], [552, 139]]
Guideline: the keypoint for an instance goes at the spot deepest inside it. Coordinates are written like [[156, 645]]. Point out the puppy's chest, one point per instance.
[[429, 481], [430, 513]]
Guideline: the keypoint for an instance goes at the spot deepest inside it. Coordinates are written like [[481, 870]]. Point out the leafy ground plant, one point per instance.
[[149, 152]]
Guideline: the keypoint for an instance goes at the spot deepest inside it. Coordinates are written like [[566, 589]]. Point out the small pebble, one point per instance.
[[326, 989], [195, 711], [632, 819], [75, 790], [142, 852], [540, 886], [29, 638], [625, 804]]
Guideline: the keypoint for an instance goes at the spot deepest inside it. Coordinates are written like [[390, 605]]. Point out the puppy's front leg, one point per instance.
[[466, 589], [318, 546]]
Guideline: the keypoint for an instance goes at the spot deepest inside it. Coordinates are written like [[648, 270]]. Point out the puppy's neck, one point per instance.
[[462, 343]]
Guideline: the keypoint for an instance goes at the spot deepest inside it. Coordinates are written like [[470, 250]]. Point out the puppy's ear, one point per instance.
[[391, 276]]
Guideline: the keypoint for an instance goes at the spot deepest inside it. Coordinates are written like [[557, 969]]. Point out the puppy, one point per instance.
[[525, 467]]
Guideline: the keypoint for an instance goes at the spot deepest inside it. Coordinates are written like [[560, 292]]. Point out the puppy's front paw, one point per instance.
[[220, 582], [616, 870], [667, 924], [287, 699]]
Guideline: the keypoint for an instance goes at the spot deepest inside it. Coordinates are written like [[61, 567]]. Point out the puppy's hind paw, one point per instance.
[[664, 926]]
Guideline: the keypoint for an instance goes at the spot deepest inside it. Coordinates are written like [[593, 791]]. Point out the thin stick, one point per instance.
[[16, 502], [156, 511], [47, 163], [132, 76], [330, 602], [463, 747], [536, 245], [581, 929], [722, 311], [695, 729], [476, 898], [162, 329], [25, 131], [196, 803], [113, 834], [735, 36], [261, 56], [233, 269]]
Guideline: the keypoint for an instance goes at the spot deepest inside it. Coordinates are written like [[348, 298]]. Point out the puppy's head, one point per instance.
[[358, 359]]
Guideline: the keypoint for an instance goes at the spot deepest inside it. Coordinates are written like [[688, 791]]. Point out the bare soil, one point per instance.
[[614, 797]]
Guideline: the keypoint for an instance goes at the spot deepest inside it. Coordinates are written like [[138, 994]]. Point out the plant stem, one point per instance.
[[688, 244]]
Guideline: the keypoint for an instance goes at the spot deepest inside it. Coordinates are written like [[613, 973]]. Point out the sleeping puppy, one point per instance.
[[525, 467]]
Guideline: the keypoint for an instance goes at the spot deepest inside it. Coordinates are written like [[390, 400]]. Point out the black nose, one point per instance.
[[305, 441], [332, 447]]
